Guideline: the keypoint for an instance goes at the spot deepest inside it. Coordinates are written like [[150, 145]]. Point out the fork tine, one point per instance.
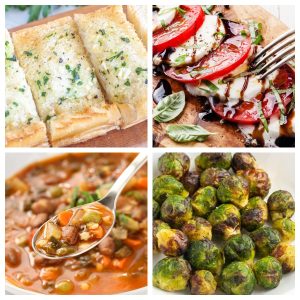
[[275, 50], [280, 56], [276, 66], [275, 42]]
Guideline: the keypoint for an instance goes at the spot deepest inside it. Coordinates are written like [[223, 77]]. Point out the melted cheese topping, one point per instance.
[[57, 68], [20, 108]]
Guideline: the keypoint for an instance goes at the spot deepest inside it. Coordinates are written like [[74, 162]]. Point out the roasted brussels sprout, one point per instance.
[[286, 228], [213, 177], [239, 248], [259, 182], [237, 279], [157, 226], [225, 221], [285, 254], [176, 210], [205, 255], [197, 229], [235, 190], [265, 239], [268, 272], [281, 205], [155, 209], [175, 164], [204, 201], [191, 182], [171, 274], [216, 160], [254, 214], [202, 282], [171, 242], [166, 185], [243, 161]]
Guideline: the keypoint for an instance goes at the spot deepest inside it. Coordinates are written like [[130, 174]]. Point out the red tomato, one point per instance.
[[218, 63], [181, 29], [247, 112]]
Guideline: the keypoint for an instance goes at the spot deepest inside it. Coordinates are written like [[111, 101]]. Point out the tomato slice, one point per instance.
[[181, 29], [247, 112], [231, 53]]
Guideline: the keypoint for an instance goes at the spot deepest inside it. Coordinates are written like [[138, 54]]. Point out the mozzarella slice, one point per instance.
[[242, 88], [207, 39], [163, 17]]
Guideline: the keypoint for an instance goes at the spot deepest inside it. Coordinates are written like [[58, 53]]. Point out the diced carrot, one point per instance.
[[141, 183], [64, 217], [132, 243], [50, 273], [106, 261], [98, 233], [121, 263]]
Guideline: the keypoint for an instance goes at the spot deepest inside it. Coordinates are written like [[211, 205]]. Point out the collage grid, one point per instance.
[[139, 139]]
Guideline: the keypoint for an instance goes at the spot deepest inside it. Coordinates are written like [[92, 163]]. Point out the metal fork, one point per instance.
[[275, 54]]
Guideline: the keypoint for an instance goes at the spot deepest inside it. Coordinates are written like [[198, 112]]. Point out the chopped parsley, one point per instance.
[[6, 113], [45, 79], [13, 58], [15, 103], [125, 39], [44, 94], [28, 53], [22, 90], [139, 70], [127, 82], [115, 56], [39, 84], [29, 120]]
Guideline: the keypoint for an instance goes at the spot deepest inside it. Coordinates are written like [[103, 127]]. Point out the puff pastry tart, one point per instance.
[[23, 127], [63, 83], [119, 58]]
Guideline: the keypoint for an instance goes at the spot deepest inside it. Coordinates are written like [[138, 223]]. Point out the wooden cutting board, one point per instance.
[[134, 136], [227, 135]]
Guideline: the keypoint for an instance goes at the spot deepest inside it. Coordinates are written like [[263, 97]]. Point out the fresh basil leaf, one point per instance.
[[255, 32], [262, 116], [169, 107], [292, 104], [207, 9], [210, 85], [182, 133], [281, 107]]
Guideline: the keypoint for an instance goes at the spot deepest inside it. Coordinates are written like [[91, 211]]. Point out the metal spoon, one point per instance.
[[110, 201]]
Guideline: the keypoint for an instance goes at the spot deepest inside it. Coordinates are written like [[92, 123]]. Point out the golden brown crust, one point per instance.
[[32, 135]]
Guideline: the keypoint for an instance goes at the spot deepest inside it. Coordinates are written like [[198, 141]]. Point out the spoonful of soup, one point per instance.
[[79, 229]]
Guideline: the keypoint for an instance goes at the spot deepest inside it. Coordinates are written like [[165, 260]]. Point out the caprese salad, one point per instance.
[[212, 57]]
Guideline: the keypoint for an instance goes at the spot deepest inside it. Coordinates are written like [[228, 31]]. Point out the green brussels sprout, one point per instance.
[[225, 221], [155, 210], [243, 161], [268, 272], [239, 248], [175, 164], [166, 185], [234, 189], [176, 210], [202, 282], [204, 201], [281, 205], [213, 177], [157, 226], [191, 182], [254, 214], [171, 242], [237, 279], [215, 160], [259, 182], [286, 228], [285, 254], [265, 239], [197, 229], [205, 255], [171, 274]]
